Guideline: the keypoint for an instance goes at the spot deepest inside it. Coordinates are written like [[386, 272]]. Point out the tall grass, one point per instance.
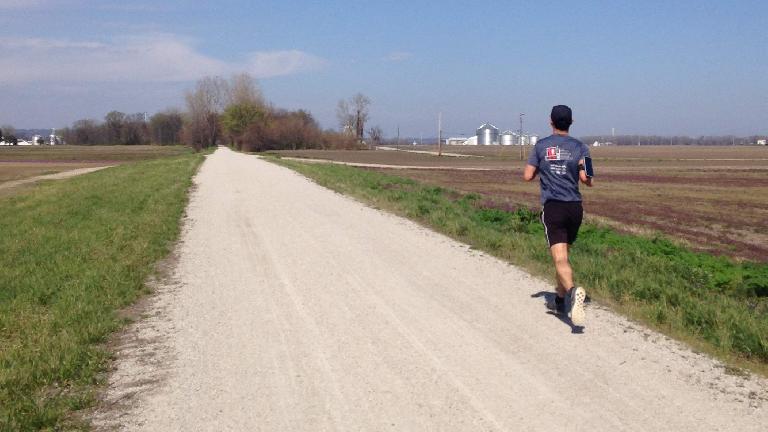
[[72, 253], [714, 303]]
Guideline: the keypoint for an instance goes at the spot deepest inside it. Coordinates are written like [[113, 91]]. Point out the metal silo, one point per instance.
[[487, 134], [507, 138]]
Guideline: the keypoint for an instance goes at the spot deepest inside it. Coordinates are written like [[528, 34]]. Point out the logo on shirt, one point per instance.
[[553, 153]]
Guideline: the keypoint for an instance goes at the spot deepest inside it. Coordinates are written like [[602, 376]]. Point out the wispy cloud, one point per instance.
[[398, 56], [20, 4], [135, 7], [276, 63], [12, 43], [145, 58], [32, 4]]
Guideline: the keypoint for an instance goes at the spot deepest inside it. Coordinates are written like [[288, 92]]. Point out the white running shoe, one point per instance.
[[577, 297]]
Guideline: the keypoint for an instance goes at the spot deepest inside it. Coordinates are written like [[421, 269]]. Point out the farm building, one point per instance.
[[488, 134]]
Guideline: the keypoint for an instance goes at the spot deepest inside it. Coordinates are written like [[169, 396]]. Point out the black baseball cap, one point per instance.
[[561, 115]]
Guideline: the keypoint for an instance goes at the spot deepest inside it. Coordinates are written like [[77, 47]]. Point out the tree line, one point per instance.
[[232, 112]]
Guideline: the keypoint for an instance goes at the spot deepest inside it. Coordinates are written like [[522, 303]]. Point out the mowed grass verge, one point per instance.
[[713, 303], [74, 252]]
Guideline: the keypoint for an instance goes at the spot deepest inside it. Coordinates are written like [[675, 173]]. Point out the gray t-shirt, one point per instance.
[[557, 158]]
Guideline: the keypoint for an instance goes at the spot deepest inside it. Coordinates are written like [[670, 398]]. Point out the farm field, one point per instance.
[[18, 163], [714, 199]]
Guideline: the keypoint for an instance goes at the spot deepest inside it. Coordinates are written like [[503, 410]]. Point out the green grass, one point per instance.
[[74, 252], [715, 304]]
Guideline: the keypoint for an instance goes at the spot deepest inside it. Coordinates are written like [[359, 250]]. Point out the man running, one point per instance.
[[559, 161]]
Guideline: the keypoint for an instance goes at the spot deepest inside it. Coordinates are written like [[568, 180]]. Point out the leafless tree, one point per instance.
[[360, 105], [135, 130], [114, 122], [85, 132], [376, 135], [165, 127], [353, 114], [203, 107], [345, 117], [7, 130], [243, 89]]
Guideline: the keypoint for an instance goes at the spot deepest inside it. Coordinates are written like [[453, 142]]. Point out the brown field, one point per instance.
[[18, 163], [713, 198], [10, 171]]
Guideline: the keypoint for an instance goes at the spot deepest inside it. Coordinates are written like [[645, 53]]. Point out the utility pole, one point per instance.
[[522, 149], [398, 135], [440, 134]]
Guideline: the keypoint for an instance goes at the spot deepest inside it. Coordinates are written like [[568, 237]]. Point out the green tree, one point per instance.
[[237, 118]]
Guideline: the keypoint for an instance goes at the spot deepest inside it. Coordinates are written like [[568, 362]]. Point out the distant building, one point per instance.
[[487, 134], [456, 141], [761, 142]]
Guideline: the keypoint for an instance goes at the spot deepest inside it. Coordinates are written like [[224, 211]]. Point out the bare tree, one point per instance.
[[360, 104], [165, 127], [85, 132], [345, 117], [353, 114], [244, 90], [114, 122], [204, 105], [135, 130], [376, 135]]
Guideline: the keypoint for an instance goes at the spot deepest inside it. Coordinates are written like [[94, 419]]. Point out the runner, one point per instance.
[[559, 162]]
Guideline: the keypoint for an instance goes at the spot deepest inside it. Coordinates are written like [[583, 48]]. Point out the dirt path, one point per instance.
[[294, 308], [374, 165], [433, 153], [57, 176]]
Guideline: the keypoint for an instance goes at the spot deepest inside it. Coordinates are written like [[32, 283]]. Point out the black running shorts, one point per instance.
[[561, 221]]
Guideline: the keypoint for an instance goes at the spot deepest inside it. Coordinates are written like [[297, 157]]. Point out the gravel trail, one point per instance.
[[293, 308]]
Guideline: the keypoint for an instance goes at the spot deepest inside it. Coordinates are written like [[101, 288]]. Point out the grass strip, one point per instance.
[[74, 253], [715, 304]]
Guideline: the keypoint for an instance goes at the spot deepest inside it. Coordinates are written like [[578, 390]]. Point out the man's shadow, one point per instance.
[[549, 297]]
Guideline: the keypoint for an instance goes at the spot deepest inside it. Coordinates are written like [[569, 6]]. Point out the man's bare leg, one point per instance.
[[562, 267], [575, 306]]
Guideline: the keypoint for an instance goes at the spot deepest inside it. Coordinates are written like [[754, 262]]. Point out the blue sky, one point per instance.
[[649, 67]]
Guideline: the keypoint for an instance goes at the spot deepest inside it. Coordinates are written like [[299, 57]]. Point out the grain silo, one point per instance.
[[507, 138], [487, 134]]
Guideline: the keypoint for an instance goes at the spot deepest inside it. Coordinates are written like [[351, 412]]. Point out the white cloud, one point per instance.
[[398, 56], [146, 58], [275, 63], [45, 44]]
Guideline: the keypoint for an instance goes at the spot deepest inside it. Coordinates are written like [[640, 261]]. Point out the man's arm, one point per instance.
[[530, 172], [583, 174]]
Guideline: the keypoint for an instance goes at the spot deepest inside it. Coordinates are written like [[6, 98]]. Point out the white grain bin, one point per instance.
[[507, 138], [487, 134]]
